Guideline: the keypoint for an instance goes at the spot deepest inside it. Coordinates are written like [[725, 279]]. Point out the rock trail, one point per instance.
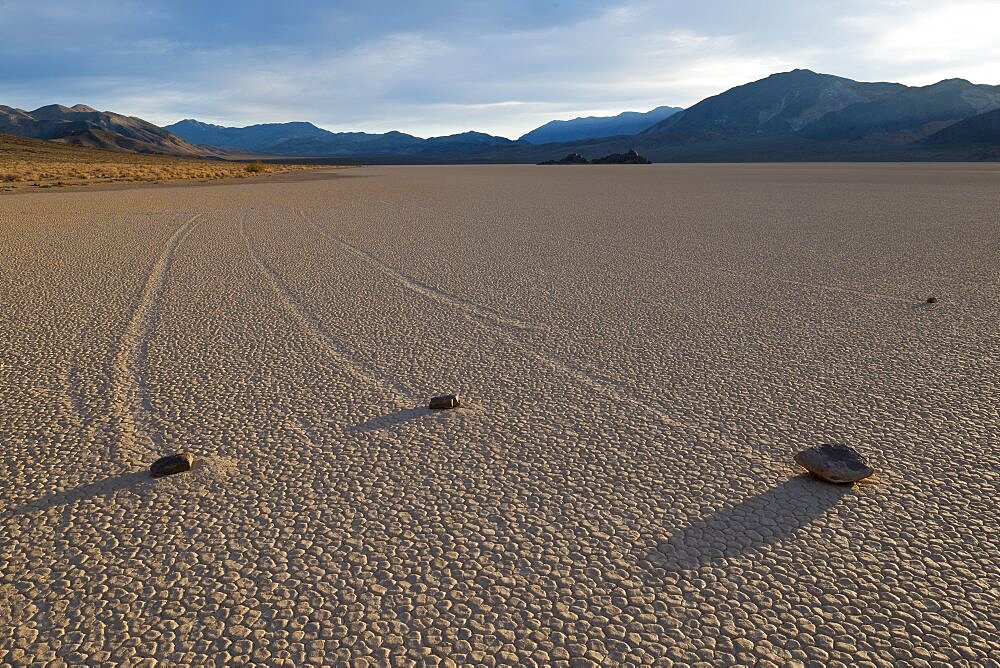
[[499, 324], [315, 328], [474, 310], [135, 423]]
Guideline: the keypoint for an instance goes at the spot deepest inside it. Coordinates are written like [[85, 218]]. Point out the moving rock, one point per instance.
[[444, 401], [834, 462], [171, 464]]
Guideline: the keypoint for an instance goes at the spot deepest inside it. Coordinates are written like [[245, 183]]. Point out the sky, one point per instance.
[[439, 67]]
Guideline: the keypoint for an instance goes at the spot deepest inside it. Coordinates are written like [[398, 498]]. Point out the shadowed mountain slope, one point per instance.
[[908, 115], [591, 127], [827, 108], [250, 138], [802, 115], [791, 116], [980, 130], [305, 139], [780, 104]]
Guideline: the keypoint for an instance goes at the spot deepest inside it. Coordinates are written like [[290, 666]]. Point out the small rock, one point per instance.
[[171, 464], [834, 462], [444, 401], [932, 300]]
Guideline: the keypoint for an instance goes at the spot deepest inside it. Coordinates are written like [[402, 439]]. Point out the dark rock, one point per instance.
[[834, 462], [171, 464], [571, 159], [444, 401], [630, 158], [932, 300]]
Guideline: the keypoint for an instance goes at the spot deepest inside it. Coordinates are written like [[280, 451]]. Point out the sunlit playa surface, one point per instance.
[[640, 351]]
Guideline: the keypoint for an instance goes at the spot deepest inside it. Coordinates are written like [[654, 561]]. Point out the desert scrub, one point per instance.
[[28, 162]]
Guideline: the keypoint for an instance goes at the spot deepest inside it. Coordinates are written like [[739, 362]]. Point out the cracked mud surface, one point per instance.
[[641, 352]]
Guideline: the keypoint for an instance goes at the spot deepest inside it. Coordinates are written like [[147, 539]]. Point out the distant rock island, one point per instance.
[[630, 158], [571, 159]]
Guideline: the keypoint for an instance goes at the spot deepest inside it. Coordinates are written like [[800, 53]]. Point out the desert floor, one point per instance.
[[641, 350]]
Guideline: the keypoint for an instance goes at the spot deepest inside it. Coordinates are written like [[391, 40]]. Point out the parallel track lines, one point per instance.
[[130, 405], [494, 322], [315, 328]]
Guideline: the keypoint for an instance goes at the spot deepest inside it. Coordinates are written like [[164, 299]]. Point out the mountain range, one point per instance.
[[81, 125], [305, 139], [802, 115], [789, 116]]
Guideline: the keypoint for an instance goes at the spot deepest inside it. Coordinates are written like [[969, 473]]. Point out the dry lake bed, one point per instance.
[[640, 352]]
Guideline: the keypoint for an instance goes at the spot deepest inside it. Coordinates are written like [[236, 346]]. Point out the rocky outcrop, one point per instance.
[[630, 158], [571, 159]]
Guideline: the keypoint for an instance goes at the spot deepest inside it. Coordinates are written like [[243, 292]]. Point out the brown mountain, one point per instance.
[[81, 125]]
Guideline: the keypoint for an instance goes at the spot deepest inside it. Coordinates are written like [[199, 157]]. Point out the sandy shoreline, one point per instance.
[[642, 350]]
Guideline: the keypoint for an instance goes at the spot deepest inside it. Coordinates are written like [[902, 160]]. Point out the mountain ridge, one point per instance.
[[827, 108], [591, 127], [795, 115], [300, 138], [798, 115], [85, 126]]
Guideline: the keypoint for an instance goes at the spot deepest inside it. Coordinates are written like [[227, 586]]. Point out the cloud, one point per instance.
[[924, 43], [431, 68]]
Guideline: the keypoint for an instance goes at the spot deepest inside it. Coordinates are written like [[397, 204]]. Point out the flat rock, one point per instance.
[[834, 462], [171, 464], [444, 401]]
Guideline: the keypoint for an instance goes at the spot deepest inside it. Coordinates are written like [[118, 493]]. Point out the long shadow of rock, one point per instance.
[[754, 523], [105, 487], [391, 420]]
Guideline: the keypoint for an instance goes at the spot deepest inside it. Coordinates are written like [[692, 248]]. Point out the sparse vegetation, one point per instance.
[[37, 163], [256, 167]]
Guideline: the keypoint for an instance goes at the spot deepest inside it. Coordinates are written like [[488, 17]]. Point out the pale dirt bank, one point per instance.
[[643, 348]]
